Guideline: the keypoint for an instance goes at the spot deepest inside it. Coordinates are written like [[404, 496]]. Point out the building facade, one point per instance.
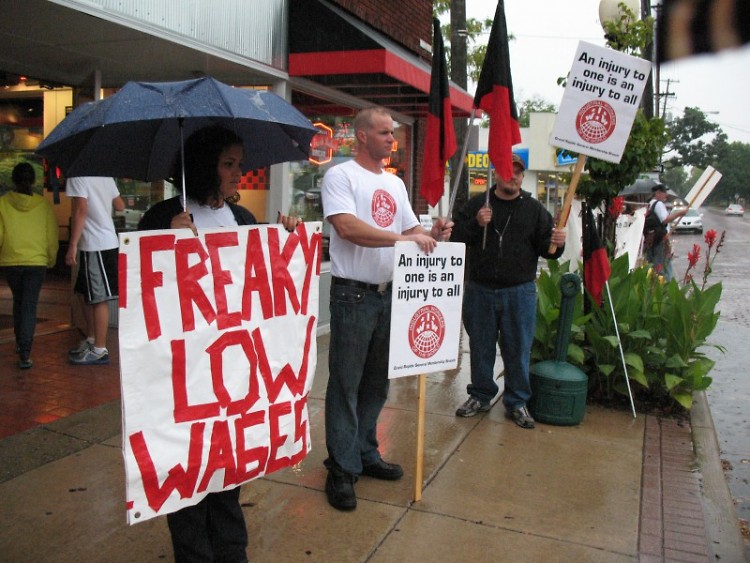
[[329, 58]]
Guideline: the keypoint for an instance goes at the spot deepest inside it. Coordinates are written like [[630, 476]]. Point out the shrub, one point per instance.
[[662, 327]]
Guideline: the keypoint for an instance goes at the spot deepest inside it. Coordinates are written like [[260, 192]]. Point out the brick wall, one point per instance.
[[404, 21]]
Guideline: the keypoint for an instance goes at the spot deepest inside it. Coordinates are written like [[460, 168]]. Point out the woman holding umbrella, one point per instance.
[[214, 529]]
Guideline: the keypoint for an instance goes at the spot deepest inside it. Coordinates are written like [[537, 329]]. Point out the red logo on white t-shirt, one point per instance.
[[426, 331], [383, 208]]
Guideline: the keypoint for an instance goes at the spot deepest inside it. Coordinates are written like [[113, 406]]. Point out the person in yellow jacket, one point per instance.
[[28, 246]]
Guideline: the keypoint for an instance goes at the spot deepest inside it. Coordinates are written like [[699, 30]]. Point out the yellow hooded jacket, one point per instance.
[[28, 231]]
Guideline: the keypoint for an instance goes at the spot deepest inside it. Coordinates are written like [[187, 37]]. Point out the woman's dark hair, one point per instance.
[[23, 177], [202, 150]]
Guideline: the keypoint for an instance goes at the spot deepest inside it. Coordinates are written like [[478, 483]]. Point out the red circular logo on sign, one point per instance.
[[383, 208], [426, 331], [596, 121]]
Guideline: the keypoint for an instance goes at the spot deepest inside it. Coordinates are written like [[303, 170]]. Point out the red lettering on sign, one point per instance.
[[178, 479], [183, 411], [256, 278], [188, 288], [246, 457], [150, 280], [222, 278], [216, 351], [220, 456]]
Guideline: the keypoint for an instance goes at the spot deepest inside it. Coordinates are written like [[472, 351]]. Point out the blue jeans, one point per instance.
[[25, 284], [661, 260], [358, 375], [511, 312]]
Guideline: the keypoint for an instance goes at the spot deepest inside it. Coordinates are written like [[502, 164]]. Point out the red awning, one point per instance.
[[356, 59]]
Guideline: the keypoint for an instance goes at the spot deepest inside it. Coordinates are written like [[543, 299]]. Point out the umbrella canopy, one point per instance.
[[639, 187], [139, 131]]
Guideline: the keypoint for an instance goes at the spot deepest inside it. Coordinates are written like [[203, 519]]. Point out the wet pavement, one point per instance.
[[729, 393], [613, 488]]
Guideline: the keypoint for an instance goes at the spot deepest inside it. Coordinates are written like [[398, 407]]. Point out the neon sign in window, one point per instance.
[[322, 144]]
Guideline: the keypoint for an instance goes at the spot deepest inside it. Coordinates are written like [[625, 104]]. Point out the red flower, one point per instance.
[[694, 256], [710, 238], [616, 206]]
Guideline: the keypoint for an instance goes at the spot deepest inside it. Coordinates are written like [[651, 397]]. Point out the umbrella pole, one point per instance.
[[182, 163]]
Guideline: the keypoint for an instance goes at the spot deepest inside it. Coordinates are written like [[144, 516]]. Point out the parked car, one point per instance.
[[692, 221], [735, 209]]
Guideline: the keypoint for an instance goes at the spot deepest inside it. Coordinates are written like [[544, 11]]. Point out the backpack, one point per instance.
[[654, 230]]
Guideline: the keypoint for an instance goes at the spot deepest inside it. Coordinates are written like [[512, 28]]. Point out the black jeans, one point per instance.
[[211, 531], [25, 283]]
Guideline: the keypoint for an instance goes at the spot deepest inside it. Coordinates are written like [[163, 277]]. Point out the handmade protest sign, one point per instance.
[[426, 308], [602, 95], [217, 357]]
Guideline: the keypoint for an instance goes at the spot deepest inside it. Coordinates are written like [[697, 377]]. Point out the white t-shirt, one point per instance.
[[661, 210], [204, 217], [98, 229], [381, 201]]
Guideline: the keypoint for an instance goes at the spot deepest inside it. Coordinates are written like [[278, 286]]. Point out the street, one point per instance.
[[729, 394]]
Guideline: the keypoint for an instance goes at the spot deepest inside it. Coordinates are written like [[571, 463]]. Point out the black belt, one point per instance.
[[379, 287]]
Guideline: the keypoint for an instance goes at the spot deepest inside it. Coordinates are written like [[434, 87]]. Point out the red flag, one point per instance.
[[596, 268], [440, 137], [495, 97]]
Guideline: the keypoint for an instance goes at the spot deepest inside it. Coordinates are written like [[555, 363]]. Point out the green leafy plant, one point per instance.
[[663, 327]]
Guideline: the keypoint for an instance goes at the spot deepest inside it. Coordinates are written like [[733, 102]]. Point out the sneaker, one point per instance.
[[25, 363], [83, 345], [521, 417], [471, 407], [90, 358], [340, 489], [381, 469]]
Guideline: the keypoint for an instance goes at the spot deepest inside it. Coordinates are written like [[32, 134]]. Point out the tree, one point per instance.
[[677, 179], [695, 141], [734, 164], [531, 105]]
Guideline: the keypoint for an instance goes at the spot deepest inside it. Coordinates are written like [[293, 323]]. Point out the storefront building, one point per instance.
[[328, 58]]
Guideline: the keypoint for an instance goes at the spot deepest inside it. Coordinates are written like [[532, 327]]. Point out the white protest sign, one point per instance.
[[217, 356], [703, 187], [601, 98], [426, 308]]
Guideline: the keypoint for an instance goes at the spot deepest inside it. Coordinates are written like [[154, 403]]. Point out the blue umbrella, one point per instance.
[[139, 131]]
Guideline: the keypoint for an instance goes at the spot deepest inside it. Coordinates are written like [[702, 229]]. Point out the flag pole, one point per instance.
[[419, 468], [619, 344], [487, 201], [563, 220], [460, 169]]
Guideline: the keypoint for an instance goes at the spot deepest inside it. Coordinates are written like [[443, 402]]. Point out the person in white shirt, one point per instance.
[[369, 211], [94, 248], [660, 253]]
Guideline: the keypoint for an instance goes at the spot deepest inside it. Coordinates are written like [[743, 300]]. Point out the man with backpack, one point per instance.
[[655, 230]]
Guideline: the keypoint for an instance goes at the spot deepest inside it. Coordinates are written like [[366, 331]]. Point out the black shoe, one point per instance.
[[521, 417], [383, 470], [340, 489]]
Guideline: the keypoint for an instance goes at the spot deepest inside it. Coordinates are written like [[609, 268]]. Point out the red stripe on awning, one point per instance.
[[372, 61]]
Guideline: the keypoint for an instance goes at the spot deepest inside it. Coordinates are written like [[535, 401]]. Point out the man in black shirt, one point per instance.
[[500, 295]]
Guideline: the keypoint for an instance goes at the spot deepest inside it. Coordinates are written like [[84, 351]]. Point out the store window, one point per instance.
[[21, 129], [335, 143]]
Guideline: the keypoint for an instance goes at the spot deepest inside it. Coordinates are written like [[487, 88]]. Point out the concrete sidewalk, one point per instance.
[[613, 488]]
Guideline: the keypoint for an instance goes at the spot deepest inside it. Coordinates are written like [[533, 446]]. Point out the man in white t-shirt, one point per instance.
[[660, 254], [94, 247], [369, 211]]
